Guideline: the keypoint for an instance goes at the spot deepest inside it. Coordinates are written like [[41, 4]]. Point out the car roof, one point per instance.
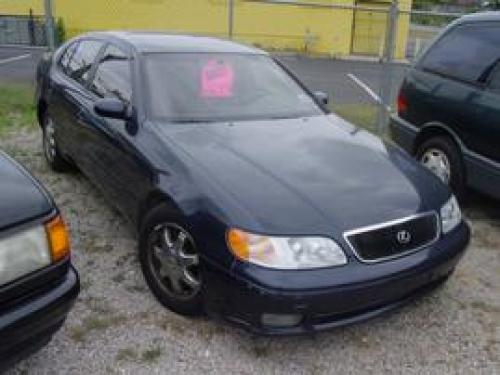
[[153, 42], [479, 17]]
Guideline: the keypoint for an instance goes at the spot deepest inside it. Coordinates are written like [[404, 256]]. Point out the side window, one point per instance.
[[81, 61], [113, 78], [467, 53], [66, 57]]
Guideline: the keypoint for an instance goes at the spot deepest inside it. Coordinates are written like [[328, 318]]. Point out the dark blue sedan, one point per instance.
[[251, 201]]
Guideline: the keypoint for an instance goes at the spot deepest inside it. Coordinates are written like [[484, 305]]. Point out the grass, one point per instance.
[[148, 356], [362, 115], [127, 354], [151, 354], [17, 108], [95, 323]]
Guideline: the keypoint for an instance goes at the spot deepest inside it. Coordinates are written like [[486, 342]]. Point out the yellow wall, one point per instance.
[[369, 29], [282, 27], [195, 16], [289, 27], [21, 7], [369, 33], [403, 29]]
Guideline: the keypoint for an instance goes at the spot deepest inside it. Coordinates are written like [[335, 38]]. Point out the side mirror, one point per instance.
[[111, 108], [322, 97]]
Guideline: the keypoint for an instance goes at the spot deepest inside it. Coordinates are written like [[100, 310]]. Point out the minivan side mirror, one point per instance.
[[111, 108], [322, 97]]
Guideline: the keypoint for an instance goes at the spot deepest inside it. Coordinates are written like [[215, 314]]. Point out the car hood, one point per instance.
[[306, 176], [21, 196]]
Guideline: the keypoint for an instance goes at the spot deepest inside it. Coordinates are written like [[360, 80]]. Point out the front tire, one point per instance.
[[170, 261], [442, 157], [50, 149]]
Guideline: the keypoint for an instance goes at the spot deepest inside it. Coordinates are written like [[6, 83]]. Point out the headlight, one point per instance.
[[32, 249], [23, 253], [451, 216], [285, 252]]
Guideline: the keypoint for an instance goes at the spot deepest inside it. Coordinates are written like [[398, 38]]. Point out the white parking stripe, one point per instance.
[[16, 58], [365, 87]]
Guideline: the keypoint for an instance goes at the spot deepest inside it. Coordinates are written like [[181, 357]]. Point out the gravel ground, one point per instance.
[[118, 327]]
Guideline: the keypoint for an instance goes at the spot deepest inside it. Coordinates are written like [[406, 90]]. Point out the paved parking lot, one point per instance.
[[17, 65], [118, 328], [332, 76]]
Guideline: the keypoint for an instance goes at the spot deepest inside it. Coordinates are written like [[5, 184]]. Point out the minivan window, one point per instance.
[[81, 62], [113, 75], [467, 52]]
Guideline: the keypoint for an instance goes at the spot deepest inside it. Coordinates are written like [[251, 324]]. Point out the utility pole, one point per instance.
[[49, 25], [230, 21], [388, 60]]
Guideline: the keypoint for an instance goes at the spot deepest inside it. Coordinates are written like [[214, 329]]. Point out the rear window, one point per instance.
[[468, 52]]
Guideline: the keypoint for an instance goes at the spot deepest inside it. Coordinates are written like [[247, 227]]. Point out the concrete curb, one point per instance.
[[21, 46], [354, 58]]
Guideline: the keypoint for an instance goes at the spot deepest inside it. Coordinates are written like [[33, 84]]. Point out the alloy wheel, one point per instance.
[[49, 141], [173, 260], [438, 163]]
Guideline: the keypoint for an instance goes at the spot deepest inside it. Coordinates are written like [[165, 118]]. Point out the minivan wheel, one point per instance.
[[442, 157], [170, 261], [50, 149]]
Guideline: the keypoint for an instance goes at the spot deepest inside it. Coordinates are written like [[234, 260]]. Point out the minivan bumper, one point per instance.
[[237, 300], [30, 324]]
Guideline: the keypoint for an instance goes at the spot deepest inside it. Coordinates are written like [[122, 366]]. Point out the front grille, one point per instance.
[[394, 239]]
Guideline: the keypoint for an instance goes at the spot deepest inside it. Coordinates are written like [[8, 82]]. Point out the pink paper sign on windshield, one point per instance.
[[217, 79]]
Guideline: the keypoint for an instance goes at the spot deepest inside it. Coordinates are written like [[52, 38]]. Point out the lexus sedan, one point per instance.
[[251, 202], [38, 284]]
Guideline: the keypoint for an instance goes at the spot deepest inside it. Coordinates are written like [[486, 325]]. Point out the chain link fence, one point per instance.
[[378, 38], [23, 30], [30, 23]]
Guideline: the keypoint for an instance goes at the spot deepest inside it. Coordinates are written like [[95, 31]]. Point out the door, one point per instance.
[[369, 29], [68, 96], [488, 117], [109, 145]]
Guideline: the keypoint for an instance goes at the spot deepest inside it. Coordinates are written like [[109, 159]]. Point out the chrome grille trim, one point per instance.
[[388, 224]]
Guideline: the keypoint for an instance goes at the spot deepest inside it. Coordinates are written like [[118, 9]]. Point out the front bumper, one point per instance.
[[29, 325], [238, 297]]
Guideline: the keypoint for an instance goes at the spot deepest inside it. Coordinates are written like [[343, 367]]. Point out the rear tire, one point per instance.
[[171, 269], [442, 156], [50, 149]]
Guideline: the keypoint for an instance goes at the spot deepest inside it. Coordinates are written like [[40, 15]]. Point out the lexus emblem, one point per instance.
[[404, 237]]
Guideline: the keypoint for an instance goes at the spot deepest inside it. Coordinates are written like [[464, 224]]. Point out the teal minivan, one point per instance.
[[449, 106]]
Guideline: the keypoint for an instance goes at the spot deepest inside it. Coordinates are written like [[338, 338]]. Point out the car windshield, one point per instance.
[[206, 87]]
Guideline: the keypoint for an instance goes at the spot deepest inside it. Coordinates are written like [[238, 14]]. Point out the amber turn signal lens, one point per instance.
[[58, 238], [238, 243]]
